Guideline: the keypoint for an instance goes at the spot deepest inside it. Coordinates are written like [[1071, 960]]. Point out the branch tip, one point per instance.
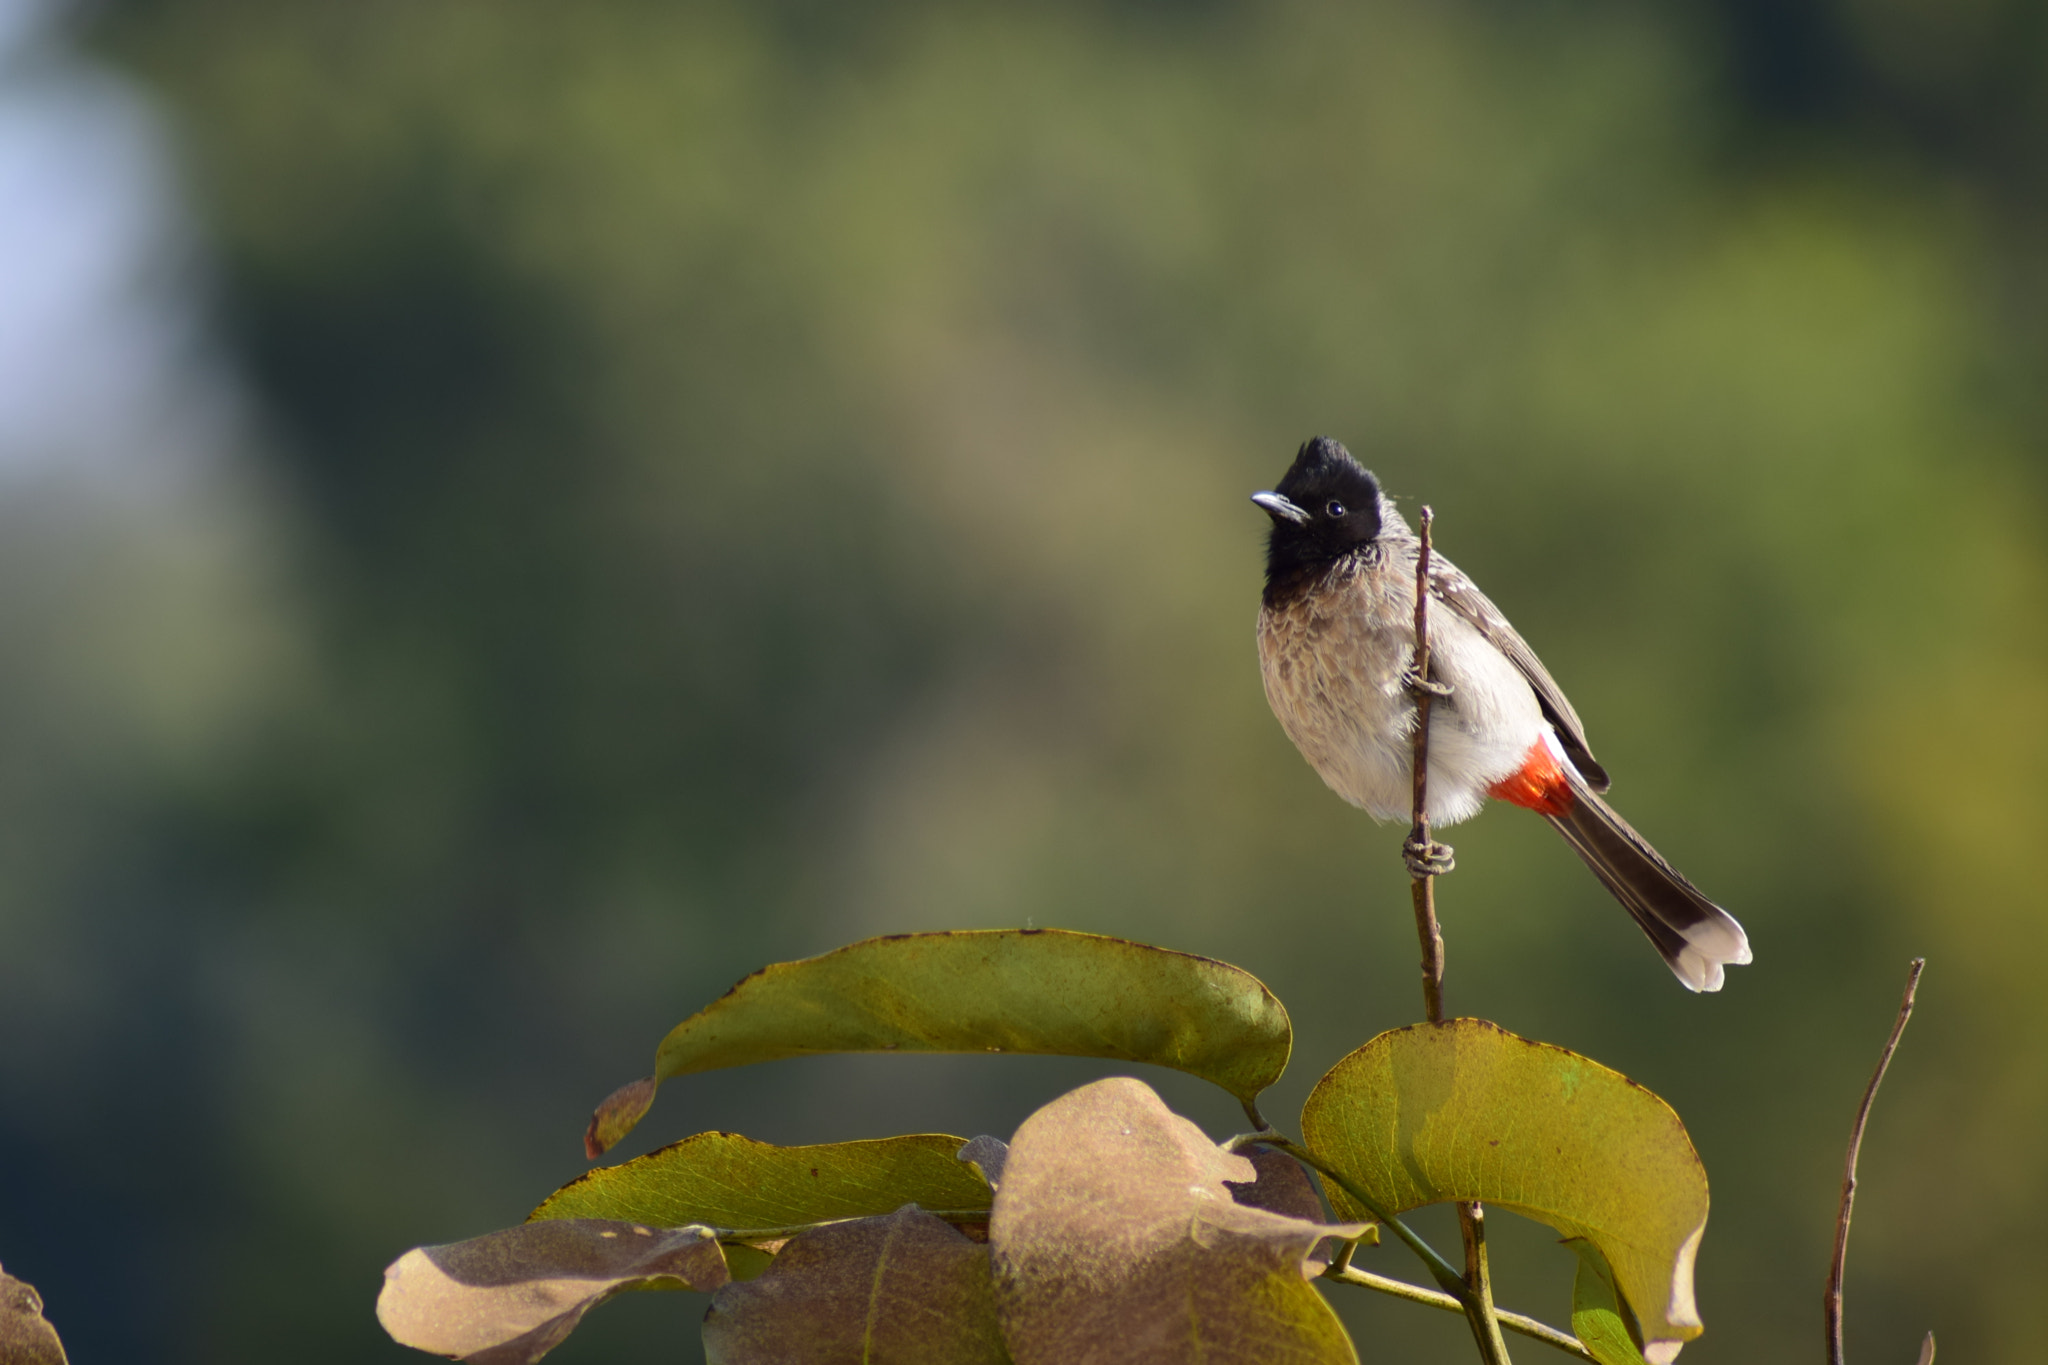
[[1831, 1300]]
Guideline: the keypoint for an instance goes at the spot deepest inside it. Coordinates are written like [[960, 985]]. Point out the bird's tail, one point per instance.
[[1696, 936]]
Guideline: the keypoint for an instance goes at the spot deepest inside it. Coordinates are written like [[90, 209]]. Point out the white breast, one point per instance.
[[1332, 663]]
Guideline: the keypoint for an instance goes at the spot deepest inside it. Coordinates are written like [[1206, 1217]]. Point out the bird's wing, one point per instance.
[[1449, 585]]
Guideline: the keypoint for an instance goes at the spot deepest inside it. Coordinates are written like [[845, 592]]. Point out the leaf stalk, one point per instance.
[[1415, 1293], [1441, 1270]]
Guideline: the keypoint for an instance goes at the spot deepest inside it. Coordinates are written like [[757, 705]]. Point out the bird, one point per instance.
[[1336, 637]]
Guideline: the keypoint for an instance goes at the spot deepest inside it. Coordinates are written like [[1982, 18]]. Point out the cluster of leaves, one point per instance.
[[1108, 1227]]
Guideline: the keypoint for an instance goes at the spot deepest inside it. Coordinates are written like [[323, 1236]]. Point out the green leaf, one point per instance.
[[994, 990], [1600, 1320], [26, 1337], [744, 1262], [1465, 1110], [510, 1297], [902, 1290], [1117, 1236], [728, 1181]]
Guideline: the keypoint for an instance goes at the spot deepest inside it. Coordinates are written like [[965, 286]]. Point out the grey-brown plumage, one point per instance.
[[1336, 641]]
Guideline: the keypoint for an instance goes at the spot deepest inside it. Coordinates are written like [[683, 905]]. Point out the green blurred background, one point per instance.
[[535, 510]]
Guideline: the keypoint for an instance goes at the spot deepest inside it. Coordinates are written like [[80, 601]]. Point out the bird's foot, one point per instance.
[[1427, 858], [1418, 685]]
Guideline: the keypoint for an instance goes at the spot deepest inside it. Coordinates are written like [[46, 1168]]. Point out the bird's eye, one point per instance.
[[1335, 509]]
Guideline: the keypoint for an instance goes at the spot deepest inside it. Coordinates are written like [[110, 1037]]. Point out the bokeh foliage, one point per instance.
[[728, 479]]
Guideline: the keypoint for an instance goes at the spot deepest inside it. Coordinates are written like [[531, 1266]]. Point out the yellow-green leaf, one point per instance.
[[1600, 1320], [724, 1180], [745, 1262], [996, 990], [1466, 1110]]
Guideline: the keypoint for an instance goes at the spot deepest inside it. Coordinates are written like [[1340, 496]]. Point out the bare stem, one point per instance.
[[1477, 1300], [1484, 1317], [1831, 1302], [1424, 887], [1415, 1293]]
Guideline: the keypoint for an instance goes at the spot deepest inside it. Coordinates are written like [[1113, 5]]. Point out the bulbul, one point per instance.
[[1337, 648]]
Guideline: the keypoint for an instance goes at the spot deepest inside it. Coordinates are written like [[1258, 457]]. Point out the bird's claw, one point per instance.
[[1427, 858], [1418, 685]]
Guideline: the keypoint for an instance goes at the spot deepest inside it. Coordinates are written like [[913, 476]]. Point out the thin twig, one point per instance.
[[1484, 1317], [1831, 1302], [1415, 1293], [1424, 886], [1471, 1218]]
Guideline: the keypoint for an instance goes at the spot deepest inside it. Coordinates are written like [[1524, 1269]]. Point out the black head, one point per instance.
[[1327, 506]]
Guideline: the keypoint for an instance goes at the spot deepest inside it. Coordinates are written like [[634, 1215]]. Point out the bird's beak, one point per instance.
[[1277, 507]]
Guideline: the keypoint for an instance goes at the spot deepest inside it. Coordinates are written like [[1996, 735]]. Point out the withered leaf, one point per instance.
[[905, 1289], [986, 1154], [26, 1337], [1283, 1186], [510, 1297], [1116, 1239]]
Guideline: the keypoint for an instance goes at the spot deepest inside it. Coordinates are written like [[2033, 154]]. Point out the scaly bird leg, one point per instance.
[[1426, 857], [1416, 685]]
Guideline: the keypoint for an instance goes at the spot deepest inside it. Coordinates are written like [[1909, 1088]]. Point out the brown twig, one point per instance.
[[1471, 1217], [1831, 1302], [1424, 886], [1485, 1318]]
